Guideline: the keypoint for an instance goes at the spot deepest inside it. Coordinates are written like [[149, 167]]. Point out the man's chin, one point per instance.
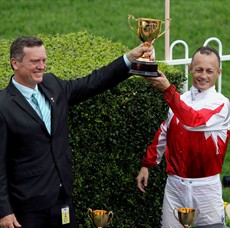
[[38, 79], [202, 86]]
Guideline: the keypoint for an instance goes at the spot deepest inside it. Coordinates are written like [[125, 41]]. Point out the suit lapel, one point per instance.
[[21, 101], [24, 104]]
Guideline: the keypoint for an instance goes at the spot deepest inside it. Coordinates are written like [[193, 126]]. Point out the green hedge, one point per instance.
[[108, 133]]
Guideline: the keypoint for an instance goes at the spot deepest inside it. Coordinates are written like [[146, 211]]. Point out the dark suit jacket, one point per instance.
[[32, 162]]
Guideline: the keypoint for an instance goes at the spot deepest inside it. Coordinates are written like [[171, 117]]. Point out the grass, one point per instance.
[[192, 21]]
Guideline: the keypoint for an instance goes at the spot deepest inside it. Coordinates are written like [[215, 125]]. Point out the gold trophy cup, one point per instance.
[[100, 218], [185, 215], [148, 31]]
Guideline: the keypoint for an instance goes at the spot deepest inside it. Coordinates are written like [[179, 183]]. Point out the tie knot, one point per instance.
[[34, 94], [34, 97]]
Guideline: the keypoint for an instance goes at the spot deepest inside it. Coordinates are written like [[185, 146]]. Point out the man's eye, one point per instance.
[[209, 72]]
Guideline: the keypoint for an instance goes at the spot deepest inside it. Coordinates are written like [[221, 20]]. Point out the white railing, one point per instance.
[[186, 61]]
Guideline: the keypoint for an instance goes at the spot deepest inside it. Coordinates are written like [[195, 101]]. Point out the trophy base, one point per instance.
[[146, 69]]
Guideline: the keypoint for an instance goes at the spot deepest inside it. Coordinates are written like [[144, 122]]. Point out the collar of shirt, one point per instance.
[[26, 91], [194, 92], [197, 95]]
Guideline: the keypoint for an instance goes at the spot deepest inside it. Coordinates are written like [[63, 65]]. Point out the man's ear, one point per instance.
[[14, 63], [190, 68], [219, 72]]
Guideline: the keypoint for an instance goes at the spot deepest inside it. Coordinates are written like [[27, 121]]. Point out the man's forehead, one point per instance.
[[27, 49], [211, 57], [36, 51]]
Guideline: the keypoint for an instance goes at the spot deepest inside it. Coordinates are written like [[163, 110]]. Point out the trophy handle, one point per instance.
[[131, 17], [110, 216], [174, 213], [197, 212], [168, 19], [90, 214]]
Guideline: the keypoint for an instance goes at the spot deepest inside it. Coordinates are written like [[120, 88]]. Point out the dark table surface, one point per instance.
[[213, 226]]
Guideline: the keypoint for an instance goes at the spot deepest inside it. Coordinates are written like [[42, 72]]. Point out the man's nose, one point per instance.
[[41, 65], [203, 73]]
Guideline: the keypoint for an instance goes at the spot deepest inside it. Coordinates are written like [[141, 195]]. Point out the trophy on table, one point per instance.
[[100, 218], [185, 215], [148, 31]]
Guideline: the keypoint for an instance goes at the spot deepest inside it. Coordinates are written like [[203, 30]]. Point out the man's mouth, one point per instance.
[[202, 81]]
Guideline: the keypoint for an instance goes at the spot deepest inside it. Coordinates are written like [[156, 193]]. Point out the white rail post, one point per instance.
[[167, 24], [186, 57]]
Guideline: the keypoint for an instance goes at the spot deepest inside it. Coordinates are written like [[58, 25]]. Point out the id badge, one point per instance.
[[65, 215]]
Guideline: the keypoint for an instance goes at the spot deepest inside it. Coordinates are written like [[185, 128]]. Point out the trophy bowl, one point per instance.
[[148, 31], [185, 215], [100, 218]]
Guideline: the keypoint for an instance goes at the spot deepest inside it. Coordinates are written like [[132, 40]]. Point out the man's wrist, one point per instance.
[[127, 62]]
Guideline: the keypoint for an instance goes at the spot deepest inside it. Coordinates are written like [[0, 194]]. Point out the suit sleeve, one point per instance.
[[5, 207], [96, 82]]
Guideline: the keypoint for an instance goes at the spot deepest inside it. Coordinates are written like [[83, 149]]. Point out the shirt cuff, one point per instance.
[[127, 62]]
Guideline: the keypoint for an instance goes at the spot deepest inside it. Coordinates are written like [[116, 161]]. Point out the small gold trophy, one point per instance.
[[227, 210], [148, 31], [185, 215], [100, 218]]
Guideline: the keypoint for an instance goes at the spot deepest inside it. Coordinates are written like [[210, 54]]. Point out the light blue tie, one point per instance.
[[42, 108]]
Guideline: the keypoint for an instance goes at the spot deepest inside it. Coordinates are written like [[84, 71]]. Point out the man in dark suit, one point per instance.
[[35, 157]]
